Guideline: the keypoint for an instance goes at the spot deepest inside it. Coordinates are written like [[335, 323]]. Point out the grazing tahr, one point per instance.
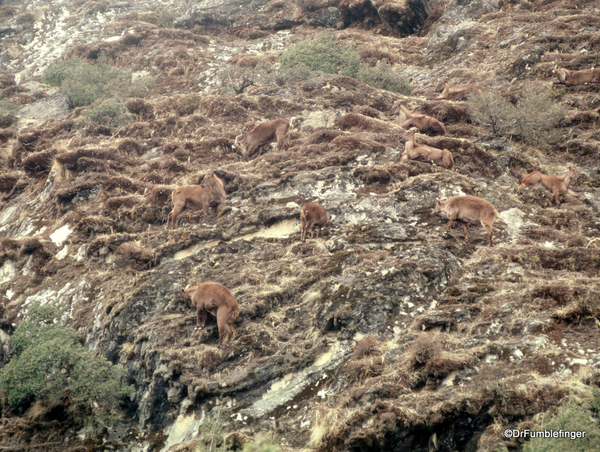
[[557, 185], [457, 93], [424, 153], [469, 208], [312, 216], [263, 134], [217, 299], [210, 194], [426, 124], [571, 78]]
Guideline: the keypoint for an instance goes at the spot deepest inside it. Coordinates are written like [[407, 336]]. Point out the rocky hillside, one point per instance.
[[385, 334]]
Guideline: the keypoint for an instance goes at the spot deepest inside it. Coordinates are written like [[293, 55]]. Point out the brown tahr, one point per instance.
[[210, 195], [469, 208], [217, 299]]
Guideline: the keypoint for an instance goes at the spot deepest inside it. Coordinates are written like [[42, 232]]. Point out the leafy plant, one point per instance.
[[84, 83], [538, 116], [570, 418], [322, 54], [494, 111], [382, 76], [535, 118], [7, 106], [308, 60], [166, 18], [261, 444], [109, 112], [596, 401], [51, 366]]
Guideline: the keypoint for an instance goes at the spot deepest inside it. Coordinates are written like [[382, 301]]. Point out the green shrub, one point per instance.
[[322, 54], [307, 61], [261, 444], [538, 116], [534, 119], [596, 401], [494, 111], [51, 366], [166, 18], [382, 76], [84, 83], [109, 112], [571, 417], [7, 106], [211, 436], [276, 74]]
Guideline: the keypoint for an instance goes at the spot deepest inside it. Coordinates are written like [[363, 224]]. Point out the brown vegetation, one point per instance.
[[472, 208], [557, 185], [217, 299]]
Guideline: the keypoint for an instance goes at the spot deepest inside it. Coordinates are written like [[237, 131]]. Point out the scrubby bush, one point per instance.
[[235, 79], [109, 112], [322, 54], [538, 116], [534, 119], [84, 83], [166, 18], [277, 74], [261, 444], [596, 401], [49, 365], [494, 111], [7, 106], [307, 61], [382, 76], [570, 418]]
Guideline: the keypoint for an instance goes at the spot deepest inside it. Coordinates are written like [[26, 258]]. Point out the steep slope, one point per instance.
[[386, 334]]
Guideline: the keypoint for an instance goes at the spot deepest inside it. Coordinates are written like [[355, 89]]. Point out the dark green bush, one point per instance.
[[51, 366], [382, 76], [84, 83], [109, 112], [322, 54]]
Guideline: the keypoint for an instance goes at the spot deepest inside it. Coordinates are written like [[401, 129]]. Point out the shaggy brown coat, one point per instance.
[[472, 208], [210, 194], [557, 185], [313, 216], [424, 153], [263, 134], [217, 299], [425, 124], [571, 78], [458, 93]]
